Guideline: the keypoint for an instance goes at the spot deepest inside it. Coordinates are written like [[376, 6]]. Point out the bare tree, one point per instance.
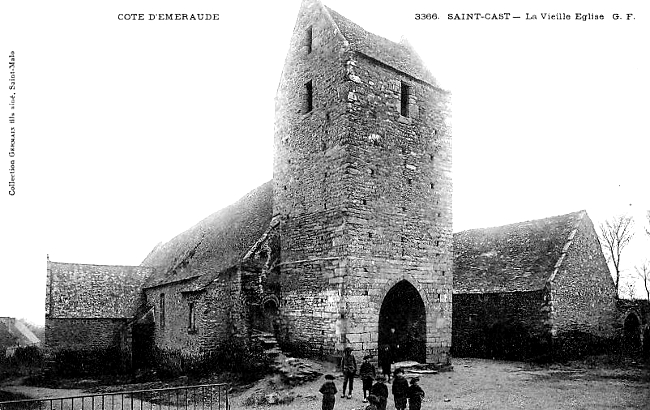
[[615, 234], [630, 289], [644, 272]]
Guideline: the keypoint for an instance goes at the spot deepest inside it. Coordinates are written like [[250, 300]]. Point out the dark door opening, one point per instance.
[[266, 317], [271, 316], [632, 335], [402, 324], [143, 342]]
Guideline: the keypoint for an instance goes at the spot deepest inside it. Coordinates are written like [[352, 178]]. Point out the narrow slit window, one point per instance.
[[191, 320], [309, 39], [162, 310], [309, 97], [404, 99]]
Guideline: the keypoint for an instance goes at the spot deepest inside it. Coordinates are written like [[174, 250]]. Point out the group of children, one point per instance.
[[374, 393]]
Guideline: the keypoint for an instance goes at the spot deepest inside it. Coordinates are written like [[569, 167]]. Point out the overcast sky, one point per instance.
[[129, 132]]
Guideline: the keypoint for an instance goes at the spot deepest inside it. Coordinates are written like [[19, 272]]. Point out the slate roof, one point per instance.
[[77, 290], [216, 243], [18, 332], [400, 56], [510, 258]]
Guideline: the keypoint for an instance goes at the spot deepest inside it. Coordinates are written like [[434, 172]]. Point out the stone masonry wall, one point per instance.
[[84, 334], [308, 183], [218, 311], [309, 306], [504, 325], [583, 294], [171, 326]]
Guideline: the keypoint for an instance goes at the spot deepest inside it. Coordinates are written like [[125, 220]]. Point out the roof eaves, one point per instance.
[[393, 68], [157, 285]]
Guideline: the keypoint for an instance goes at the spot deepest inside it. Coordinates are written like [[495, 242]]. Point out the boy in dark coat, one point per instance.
[[367, 374], [373, 402], [328, 390], [416, 394], [349, 368], [386, 361], [380, 390], [400, 389]]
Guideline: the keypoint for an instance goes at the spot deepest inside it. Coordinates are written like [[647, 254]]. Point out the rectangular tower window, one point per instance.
[[309, 39], [308, 103], [191, 323], [162, 310], [404, 99]]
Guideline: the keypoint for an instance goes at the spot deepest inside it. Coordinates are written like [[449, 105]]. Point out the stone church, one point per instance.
[[350, 244]]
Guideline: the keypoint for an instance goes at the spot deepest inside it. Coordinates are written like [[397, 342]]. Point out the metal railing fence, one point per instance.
[[201, 397]]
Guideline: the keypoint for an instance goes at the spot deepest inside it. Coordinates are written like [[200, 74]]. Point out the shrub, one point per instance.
[[72, 362], [25, 361], [247, 360]]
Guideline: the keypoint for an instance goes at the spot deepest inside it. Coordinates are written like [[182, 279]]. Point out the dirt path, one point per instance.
[[486, 384], [16, 387]]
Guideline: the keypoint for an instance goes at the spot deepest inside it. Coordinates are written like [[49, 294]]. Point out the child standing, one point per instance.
[[349, 368], [380, 390], [386, 360], [367, 374], [328, 390], [415, 394], [400, 389]]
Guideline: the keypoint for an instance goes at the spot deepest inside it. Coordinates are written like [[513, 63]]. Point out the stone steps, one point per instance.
[[269, 343]]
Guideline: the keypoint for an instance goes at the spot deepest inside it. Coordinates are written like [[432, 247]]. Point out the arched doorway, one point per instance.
[[632, 334], [402, 324], [265, 316]]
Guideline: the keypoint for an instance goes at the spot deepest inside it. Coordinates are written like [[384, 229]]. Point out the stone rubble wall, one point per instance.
[[84, 334], [309, 191], [218, 315], [513, 325], [583, 294]]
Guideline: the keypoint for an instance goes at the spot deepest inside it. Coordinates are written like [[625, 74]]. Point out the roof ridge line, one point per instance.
[[99, 264], [567, 245], [521, 222], [326, 11]]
